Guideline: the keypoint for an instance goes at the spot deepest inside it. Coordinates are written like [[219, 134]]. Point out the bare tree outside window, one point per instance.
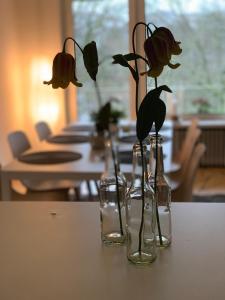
[[106, 22], [199, 86]]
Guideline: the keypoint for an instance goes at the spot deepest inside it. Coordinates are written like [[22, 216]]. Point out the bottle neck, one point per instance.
[[139, 164], [156, 154], [111, 157]]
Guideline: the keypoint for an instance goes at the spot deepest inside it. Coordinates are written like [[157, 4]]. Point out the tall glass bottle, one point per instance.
[[112, 191], [162, 192], [140, 213]]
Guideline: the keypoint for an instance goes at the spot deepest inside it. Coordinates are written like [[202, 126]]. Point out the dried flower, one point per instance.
[[63, 71], [159, 48]]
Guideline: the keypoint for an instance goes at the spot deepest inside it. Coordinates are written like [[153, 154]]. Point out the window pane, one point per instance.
[[106, 22], [198, 84]]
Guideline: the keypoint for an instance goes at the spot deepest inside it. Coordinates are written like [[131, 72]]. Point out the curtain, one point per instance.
[[31, 34]]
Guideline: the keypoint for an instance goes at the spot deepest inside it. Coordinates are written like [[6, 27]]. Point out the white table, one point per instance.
[[89, 167], [60, 257]]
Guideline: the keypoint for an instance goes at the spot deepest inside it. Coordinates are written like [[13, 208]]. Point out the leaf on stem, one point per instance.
[[133, 56], [90, 56], [120, 59], [152, 110], [160, 114]]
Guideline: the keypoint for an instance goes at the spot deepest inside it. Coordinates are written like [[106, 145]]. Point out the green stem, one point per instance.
[[136, 64], [141, 145], [155, 182], [75, 42], [155, 190], [143, 200], [98, 94]]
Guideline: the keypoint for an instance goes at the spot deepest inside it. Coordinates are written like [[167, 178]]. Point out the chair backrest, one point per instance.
[[188, 141], [18, 143], [43, 130], [184, 190], [187, 152]]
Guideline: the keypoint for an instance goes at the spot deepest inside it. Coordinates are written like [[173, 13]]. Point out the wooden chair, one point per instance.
[[43, 130], [19, 143], [183, 191], [180, 156], [186, 153]]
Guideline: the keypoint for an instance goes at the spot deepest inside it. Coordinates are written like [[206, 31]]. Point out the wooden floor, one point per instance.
[[210, 182]]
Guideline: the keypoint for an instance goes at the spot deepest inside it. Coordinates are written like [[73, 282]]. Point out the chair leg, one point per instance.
[[89, 189], [77, 193], [74, 194]]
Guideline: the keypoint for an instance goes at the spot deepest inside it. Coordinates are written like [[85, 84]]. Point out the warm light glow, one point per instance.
[[46, 102]]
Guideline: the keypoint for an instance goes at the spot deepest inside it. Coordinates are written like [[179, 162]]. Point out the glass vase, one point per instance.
[[112, 191], [162, 192], [140, 212]]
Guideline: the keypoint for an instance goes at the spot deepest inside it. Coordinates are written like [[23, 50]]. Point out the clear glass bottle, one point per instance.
[[162, 192], [112, 191], [140, 215]]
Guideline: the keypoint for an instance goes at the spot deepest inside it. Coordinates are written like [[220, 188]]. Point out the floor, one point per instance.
[[210, 182]]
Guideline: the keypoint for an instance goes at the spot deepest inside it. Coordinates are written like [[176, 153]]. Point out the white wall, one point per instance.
[[30, 32]]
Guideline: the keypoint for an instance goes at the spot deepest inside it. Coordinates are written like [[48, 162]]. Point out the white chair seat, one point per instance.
[[19, 143]]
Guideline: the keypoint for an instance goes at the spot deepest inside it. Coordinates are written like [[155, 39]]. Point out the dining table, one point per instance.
[[89, 164], [53, 251]]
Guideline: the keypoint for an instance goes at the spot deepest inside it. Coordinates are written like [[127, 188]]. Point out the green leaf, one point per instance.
[[160, 114], [103, 117], [133, 56], [105, 109], [155, 94], [90, 57], [119, 59], [145, 118], [152, 110]]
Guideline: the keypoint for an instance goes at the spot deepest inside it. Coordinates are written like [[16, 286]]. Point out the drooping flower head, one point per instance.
[[159, 48], [63, 71]]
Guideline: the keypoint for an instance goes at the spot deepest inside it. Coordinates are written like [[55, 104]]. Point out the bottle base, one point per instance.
[[141, 258], [164, 243], [114, 238]]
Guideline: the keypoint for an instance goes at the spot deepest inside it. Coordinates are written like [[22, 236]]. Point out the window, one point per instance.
[[199, 84], [106, 22]]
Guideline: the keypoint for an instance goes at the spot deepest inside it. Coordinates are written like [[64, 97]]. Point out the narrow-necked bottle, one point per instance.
[[162, 192], [112, 200], [140, 212]]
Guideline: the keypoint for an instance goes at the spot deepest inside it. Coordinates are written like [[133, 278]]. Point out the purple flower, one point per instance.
[[63, 71], [159, 48]]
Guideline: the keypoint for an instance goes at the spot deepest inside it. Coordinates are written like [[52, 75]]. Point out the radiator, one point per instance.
[[213, 138]]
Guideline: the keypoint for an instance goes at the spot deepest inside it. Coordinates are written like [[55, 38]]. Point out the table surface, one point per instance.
[[89, 167], [53, 251]]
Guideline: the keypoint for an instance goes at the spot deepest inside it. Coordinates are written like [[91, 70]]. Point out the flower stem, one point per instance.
[[143, 200], [98, 94], [141, 145], [75, 42], [155, 182], [155, 190]]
